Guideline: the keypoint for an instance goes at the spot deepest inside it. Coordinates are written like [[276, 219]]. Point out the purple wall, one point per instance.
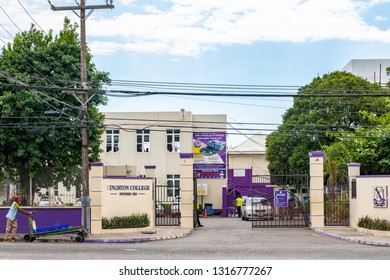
[[44, 217], [245, 187]]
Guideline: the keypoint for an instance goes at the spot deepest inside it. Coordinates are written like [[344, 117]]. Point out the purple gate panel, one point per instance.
[[44, 217]]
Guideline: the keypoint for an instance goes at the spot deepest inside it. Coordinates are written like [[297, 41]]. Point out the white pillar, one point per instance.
[[187, 190], [353, 172], [95, 188], [317, 189], [150, 171]]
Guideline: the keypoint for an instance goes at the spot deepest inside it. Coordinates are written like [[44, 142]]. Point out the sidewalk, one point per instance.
[[120, 236], [165, 233]]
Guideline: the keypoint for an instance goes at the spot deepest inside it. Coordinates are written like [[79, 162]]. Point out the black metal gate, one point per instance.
[[286, 205], [336, 205], [168, 207]]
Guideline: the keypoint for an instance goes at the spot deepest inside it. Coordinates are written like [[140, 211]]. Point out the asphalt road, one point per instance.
[[219, 239]]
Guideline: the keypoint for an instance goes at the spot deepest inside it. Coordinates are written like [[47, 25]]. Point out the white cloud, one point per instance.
[[380, 18], [198, 25], [190, 27]]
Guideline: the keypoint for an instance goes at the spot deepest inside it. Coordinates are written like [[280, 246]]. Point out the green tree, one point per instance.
[[47, 149], [311, 122], [368, 145]]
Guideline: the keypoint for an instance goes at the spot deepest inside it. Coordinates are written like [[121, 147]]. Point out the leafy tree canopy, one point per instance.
[[48, 149], [311, 123]]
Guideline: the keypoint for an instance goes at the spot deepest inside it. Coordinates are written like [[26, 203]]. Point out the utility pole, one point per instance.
[[85, 199]]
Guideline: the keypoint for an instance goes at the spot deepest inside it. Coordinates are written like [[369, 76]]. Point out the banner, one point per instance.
[[209, 149]]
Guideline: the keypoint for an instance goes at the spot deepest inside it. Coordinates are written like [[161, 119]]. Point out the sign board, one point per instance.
[[209, 149], [280, 198], [201, 189], [380, 196]]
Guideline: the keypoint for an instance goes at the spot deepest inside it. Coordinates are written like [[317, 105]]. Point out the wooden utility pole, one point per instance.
[[85, 199]]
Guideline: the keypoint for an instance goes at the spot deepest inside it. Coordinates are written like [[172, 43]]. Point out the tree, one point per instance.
[[47, 149], [368, 145], [311, 122]]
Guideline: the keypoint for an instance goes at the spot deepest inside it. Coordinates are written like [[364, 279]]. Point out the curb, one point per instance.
[[112, 240], [351, 239], [137, 239]]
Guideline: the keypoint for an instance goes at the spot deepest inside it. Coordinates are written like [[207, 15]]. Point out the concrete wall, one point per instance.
[[367, 189], [119, 196]]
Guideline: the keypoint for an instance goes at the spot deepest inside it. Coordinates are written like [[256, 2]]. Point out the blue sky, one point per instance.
[[257, 42]]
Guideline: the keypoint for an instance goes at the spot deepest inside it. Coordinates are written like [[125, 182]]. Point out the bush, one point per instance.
[[133, 221], [375, 224]]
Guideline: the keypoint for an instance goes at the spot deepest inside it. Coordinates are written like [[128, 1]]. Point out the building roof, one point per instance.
[[254, 144]]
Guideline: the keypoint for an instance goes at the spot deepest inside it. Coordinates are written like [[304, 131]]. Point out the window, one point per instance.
[[112, 139], [143, 142], [354, 194], [173, 186], [173, 140]]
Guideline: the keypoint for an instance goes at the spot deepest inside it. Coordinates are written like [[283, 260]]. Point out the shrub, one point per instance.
[[375, 224], [132, 221]]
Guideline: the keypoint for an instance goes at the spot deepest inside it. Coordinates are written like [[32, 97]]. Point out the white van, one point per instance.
[[258, 207]]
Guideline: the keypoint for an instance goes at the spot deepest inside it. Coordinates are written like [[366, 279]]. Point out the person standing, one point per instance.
[[198, 213], [12, 224], [238, 205]]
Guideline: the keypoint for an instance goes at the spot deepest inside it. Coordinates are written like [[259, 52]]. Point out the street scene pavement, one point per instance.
[[169, 232]]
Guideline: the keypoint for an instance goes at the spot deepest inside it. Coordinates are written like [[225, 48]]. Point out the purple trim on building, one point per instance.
[[150, 167], [125, 177], [97, 164], [316, 154], [353, 164], [186, 155]]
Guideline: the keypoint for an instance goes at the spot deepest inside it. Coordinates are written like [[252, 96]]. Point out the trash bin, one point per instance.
[[209, 208]]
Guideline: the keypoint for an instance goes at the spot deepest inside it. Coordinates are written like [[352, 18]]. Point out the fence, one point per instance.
[[39, 200]]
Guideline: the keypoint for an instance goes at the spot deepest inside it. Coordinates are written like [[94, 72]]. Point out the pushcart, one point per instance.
[[65, 230]]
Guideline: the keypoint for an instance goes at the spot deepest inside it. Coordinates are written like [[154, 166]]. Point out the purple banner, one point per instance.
[[209, 149]]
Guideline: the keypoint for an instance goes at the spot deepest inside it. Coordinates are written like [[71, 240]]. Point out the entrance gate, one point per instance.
[[286, 206], [168, 211], [336, 205]]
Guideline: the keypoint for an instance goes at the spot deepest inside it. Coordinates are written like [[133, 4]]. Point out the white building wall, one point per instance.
[[166, 162], [374, 70], [255, 161]]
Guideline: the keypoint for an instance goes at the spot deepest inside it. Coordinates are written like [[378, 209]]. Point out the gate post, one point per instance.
[[96, 178], [353, 172], [186, 188], [317, 189]]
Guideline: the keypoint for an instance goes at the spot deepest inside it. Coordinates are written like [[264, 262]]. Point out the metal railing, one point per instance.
[[39, 200]]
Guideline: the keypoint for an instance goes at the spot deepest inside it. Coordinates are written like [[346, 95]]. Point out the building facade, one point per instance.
[[133, 140]]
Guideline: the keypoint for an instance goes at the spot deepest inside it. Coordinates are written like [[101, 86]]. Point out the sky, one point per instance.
[[278, 43]]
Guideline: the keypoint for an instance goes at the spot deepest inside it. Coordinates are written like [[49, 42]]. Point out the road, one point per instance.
[[219, 239]]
